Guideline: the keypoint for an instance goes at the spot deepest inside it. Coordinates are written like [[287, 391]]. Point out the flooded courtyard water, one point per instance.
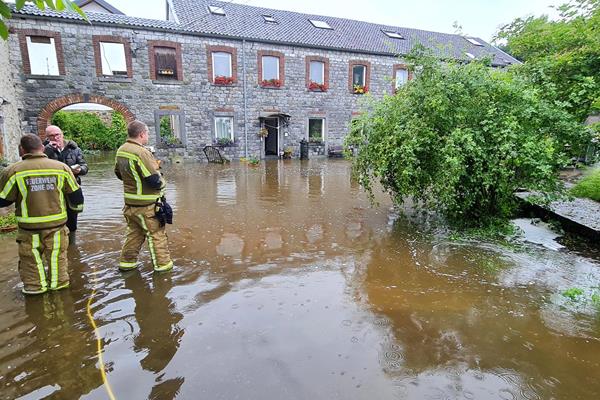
[[289, 285]]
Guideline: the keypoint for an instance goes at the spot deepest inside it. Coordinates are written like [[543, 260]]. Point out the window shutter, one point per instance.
[[166, 62]]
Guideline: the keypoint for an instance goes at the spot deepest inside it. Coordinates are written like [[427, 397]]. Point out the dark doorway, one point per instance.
[[272, 139]]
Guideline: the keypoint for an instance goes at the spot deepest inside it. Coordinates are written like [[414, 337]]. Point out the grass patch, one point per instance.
[[573, 293], [589, 186]]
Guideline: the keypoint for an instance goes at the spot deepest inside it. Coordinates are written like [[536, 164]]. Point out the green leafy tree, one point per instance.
[[88, 130], [461, 139], [562, 57], [57, 5]]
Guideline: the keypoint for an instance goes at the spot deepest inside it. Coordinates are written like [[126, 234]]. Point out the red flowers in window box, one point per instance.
[[270, 83], [224, 80], [360, 89], [317, 87]]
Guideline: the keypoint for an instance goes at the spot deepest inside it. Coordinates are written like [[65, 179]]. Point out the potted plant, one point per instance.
[[317, 87], [287, 152], [270, 83], [223, 80], [360, 89], [224, 141], [263, 132]]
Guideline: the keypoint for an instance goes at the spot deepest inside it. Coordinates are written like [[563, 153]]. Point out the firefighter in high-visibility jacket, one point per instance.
[[41, 189], [143, 185]]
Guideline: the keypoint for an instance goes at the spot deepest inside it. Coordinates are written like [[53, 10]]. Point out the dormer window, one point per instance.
[[216, 10], [270, 18], [320, 24], [473, 41], [393, 35], [471, 56]]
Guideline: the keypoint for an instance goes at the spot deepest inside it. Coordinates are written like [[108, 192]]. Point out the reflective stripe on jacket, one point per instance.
[[39, 188], [133, 164]]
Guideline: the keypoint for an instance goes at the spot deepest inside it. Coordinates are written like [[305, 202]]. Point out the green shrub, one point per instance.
[[461, 139], [589, 186], [89, 132]]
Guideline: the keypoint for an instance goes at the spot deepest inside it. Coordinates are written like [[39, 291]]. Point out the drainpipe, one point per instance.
[[245, 98]]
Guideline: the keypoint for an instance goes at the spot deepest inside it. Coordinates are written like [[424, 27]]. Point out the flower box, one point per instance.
[[317, 87], [360, 89], [224, 142], [224, 80], [270, 83]]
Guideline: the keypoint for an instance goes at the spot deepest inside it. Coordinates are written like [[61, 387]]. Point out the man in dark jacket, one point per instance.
[[66, 151]]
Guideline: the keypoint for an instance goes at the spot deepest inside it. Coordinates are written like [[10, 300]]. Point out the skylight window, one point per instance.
[[474, 41], [270, 18], [320, 24], [393, 35], [216, 10], [470, 55]]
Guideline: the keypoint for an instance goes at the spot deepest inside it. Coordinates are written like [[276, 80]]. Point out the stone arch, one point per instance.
[[55, 105]]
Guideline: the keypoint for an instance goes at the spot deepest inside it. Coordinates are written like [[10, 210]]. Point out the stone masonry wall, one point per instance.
[[10, 125], [198, 98]]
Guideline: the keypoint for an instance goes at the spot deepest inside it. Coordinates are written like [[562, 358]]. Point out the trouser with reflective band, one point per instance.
[[37, 246], [142, 225]]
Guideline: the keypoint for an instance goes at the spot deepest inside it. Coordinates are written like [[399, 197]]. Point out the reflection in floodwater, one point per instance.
[[289, 285]]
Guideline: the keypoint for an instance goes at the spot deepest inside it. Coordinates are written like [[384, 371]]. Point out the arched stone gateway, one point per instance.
[[60, 103]]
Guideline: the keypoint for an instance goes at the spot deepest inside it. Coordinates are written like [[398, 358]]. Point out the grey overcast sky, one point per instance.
[[479, 18]]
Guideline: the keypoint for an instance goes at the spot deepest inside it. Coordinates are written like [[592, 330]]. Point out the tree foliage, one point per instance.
[[462, 138], [57, 5], [562, 56], [89, 132]]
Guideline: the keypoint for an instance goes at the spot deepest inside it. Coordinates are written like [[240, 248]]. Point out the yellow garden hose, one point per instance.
[[98, 340]]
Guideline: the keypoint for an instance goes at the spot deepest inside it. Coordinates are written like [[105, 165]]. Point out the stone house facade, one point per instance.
[[199, 104]]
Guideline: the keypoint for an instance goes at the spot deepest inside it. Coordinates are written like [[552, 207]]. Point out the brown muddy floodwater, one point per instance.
[[288, 285]]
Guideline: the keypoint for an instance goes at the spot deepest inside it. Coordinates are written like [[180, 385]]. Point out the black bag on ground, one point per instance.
[[163, 212]]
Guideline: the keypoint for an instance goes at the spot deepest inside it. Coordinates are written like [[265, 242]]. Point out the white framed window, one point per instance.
[[113, 58], [401, 77], [42, 55], [269, 18], [359, 75], [224, 128], [320, 24], [221, 64], [270, 68], [216, 10], [393, 35], [317, 72], [470, 55], [473, 41], [316, 130]]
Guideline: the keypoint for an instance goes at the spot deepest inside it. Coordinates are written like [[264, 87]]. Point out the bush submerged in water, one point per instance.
[[461, 139]]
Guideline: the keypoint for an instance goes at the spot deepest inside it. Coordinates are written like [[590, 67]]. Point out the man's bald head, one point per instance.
[[55, 136]]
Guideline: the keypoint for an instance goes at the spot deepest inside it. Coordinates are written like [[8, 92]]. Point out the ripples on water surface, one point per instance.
[[289, 285]]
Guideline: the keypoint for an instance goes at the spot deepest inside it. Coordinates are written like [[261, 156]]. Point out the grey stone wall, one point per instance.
[[195, 95], [10, 125]]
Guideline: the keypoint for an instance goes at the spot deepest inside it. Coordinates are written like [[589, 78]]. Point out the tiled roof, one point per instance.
[[242, 21], [103, 18], [292, 27]]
